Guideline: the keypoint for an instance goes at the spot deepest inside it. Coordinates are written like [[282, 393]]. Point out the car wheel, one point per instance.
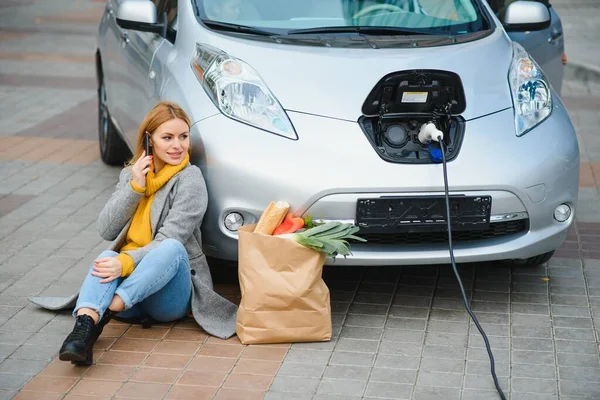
[[113, 149], [536, 260]]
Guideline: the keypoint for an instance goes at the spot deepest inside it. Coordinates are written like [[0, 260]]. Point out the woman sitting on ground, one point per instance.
[[155, 267]]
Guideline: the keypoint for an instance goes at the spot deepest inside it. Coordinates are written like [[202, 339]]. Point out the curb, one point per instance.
[[582, 72]]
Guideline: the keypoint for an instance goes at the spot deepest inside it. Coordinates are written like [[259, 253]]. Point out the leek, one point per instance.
[[330, 238]]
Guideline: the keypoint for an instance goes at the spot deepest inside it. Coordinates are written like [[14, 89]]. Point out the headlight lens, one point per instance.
[[531, 94], [239, 92]]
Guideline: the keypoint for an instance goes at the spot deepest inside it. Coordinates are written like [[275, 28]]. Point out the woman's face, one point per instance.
[[170, 143]]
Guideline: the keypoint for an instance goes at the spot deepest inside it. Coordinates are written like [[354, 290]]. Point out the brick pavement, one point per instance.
[[398, 332]]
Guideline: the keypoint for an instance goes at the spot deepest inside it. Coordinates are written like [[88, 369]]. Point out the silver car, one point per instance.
[[320, 103]]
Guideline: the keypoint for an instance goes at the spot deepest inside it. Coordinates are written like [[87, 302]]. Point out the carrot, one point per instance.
[[290, 224]]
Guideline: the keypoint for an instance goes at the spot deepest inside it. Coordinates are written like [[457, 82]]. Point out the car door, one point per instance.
[[160, 73], [112, 60], [545, 46], [136, 52]]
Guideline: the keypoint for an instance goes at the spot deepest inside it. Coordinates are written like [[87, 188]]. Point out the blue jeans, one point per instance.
[[160, 286]]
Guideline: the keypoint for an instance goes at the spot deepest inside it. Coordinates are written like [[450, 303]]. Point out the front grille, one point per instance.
[[495, 230]]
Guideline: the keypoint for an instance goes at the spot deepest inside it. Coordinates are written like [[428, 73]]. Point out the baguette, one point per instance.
[[272, 217]]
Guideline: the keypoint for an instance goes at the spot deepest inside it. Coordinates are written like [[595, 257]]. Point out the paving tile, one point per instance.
[[29, 395], [341, 387], [216, 364], [532, 357], [353, 332], [269, 353], [295, 384], [248, 382], [142, 390], [156, 375], [348, 358], [188, 335], [181, 392], [430, 393], [357, 345], [34, 352], [578, 360], [484, 368], [406, 323], [401, 348], [165, 361], [534, 371], [136, 332], [114, 357], [443, 379], [448, 327], [532, 331], [574, 334], [529, 385], [301, 370], [22, 367], [388, 390], [237, 394], [485, 382], [347, 372], [288, 396], [394, 361], [532, 344], [365, 321], [446, 339], [96, 388], [138, 345], [393, 375], [12, 381], [579, 373], [457, 352], [63, 369], [308, 356], [257, 367], [573, 346], [408, 312], [401, 335], [50, 384], [202, 378], [109, 372], [578, 388]]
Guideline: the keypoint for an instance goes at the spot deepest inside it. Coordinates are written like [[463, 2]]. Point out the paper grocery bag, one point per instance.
[[284, 297]]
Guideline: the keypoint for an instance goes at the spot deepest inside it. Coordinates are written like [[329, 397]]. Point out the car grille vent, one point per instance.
[[496, 230]]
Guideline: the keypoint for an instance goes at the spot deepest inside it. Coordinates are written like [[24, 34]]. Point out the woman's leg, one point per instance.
[[156, 270], [95, 297], [173, 301]]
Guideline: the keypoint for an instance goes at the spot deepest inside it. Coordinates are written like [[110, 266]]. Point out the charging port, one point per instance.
[[402, 102]]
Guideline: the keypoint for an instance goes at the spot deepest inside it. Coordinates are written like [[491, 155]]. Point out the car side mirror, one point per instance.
[[140, 15], [526, 16]]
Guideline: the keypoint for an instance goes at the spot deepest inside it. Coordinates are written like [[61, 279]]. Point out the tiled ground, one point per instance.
[[398, 332]]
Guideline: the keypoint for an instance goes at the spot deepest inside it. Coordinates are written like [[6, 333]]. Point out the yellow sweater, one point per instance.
[[140, 231]]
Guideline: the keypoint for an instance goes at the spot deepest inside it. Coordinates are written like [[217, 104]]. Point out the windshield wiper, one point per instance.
[[369, 30], [225, 26]]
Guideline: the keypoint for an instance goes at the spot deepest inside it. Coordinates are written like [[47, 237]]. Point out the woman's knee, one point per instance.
[[173, 247], [105, 253]]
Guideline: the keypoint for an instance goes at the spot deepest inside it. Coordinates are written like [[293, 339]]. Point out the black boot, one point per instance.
[[78, 346], [106, 317]]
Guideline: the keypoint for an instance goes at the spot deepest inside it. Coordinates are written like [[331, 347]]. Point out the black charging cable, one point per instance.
[[458, 278]]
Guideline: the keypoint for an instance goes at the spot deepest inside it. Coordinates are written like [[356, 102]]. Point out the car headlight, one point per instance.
[[239, 92], [530, 89]]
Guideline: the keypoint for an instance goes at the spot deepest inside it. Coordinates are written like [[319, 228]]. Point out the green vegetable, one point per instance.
[[330, 238]]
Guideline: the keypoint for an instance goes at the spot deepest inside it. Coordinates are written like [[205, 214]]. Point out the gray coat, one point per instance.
[[177, 212]]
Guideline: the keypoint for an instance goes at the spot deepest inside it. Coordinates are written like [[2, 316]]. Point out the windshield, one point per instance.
[[283, 16]]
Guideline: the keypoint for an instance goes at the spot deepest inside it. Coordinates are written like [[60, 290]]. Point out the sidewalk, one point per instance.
[[400, 333]]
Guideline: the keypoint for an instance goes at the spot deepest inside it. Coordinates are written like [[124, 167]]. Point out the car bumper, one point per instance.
[[331, 165]]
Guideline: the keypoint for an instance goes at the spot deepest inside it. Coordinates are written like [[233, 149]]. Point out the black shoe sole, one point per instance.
[[76, 358]]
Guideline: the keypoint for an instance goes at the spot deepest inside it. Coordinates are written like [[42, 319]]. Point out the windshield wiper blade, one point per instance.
[[369, 30], [225, 26]]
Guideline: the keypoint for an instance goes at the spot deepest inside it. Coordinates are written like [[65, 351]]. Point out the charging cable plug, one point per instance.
[[429, 132]]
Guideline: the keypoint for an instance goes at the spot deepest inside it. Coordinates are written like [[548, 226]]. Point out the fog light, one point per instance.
[[234, 221], [562, 213]]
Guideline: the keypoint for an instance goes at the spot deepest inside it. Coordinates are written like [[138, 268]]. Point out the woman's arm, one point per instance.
[[185, 215], [119, 208]]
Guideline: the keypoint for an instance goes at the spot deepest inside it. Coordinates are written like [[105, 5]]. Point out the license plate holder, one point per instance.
[[422, 213]]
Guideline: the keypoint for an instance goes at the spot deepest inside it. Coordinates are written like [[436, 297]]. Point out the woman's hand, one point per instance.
[[140, 169], [108, 268]]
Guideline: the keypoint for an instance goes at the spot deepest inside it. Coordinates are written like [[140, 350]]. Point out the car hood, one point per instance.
[[334, 82]]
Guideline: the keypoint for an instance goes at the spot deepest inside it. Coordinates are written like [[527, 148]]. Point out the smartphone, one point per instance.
[[147, 144]]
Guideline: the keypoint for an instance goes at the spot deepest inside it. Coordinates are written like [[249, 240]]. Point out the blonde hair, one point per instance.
[[159, 114]]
